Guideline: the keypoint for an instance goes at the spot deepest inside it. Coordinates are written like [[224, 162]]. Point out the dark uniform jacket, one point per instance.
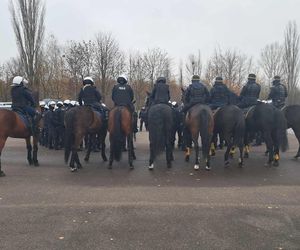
[[122, 95], [160, 93], [278, 94], [58, 117], [89, 95], [21, 97], [250, 94], [197, 93], [219, 94]]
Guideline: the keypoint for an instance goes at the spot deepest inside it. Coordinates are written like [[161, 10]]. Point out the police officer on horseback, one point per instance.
[[278, 93], [160, 92], [90, 96], [122, 93], [22, 99], [196, 93], [250, 92], [219, 94]]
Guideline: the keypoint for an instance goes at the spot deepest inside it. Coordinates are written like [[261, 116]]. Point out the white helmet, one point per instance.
[[174, 103], [77, 103], [17, 80], [60, 103], [51, 103], [123, 76], [88, 80], [42, 104], [73, 103], [46, 106], [66, 102]]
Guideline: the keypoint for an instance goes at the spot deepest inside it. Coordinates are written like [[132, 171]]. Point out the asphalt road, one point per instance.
[[48, 207]]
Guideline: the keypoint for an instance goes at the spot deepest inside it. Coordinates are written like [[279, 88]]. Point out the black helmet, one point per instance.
[[219, 79], [196, 78], [276, 80], [161, 79], [251, 77]]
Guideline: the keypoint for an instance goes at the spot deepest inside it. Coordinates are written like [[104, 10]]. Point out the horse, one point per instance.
[[199, 120], [292, 115], [229, 123], [271, 122], [120, 127], [12, 125], [80, 121], [160, 127]]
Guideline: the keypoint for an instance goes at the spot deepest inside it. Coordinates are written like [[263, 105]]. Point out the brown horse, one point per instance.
[[80, 121], [199, 119], [12, 125], [120, 127]]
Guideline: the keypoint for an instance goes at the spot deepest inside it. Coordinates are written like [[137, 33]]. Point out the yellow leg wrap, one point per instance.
[[188, 151], [277, 157], [232, 151]]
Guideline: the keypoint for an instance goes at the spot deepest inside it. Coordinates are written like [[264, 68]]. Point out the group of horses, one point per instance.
[[227, 124]]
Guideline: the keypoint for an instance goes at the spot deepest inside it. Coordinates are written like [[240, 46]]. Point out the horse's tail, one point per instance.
[[117, 137], [239, 132], [157, 134], [204, 131], [281, 130], [69, 135]]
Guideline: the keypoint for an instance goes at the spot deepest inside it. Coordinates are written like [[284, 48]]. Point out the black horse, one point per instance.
[[160, 126], [271, 122], [230, 126], [292, 115]]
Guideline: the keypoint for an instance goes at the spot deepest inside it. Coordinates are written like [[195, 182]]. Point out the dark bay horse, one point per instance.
[[120, 127], [271, 122], [230, 125], [199, 120], [292, 115], [11, 125], [160, 127], [80, 121]]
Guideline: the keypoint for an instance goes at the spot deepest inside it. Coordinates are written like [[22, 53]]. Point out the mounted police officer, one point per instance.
[[278, 93], [22, 99], [219, 94], [122, 93], [196, 93], [90, 96], [250, 92], [160, 92]]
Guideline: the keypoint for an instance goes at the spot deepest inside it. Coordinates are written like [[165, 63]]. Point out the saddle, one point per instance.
[[247, 110], [215, 111], [24, 117]]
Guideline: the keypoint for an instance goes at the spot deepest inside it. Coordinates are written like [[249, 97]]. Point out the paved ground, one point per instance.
[[50, 208]]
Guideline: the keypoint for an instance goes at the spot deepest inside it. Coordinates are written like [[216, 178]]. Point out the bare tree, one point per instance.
[[28, 24], [271, 61], [193, 65], [157, 63], [291, 59], [109, 61]]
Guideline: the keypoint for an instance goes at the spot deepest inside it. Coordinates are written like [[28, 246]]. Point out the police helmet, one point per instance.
[[195, 78], [219, 79], [88, 80], [51, 103], [18, 80], [73, 103], [252, 77], [60, 104], [66, 102], [161, 79], [122, 79], [42, 104]]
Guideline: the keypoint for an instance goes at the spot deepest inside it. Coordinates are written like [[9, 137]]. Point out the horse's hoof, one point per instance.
[[151, 167], [104, 159], [2, 174], [134, 157], [36, 164], [73, 169], [30, 162], [86, 159], [207, 168], [196, 167], [241, 165], [276, 163], [246, 155], [227, 164], [187, 158], [131, 167], [169, 164]]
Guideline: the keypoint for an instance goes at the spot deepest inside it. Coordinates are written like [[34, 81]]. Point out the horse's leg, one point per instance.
[[151, 158], [195, 140], [103, 146], [269, 144], [226, 155], [276, 150], [72, 162], [29, 151], [89, 148], [130, 149], [169, 152], [2, 143], [111, 156], [35, 151], [297, 133]]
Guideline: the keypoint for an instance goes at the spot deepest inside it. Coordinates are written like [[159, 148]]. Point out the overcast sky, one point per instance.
[[180, 27]]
